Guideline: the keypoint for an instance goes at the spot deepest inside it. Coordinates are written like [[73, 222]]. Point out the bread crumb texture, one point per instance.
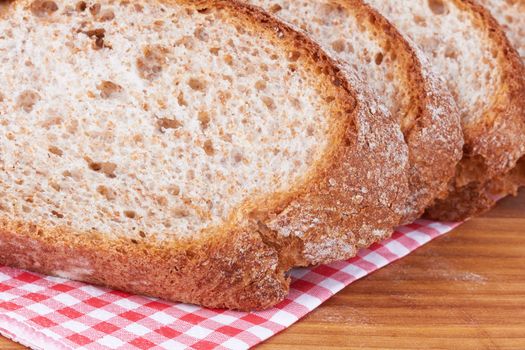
[[333, 25], [459, 53], [134, 119], [511, 15]]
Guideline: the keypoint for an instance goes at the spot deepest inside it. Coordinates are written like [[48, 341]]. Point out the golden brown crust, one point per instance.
[[493, 145], [434, 135], [234, 270], [357, 191]]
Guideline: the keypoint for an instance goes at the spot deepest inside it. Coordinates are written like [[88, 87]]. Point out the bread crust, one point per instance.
[[242, 264], [493, 146], [233, 269], [434, 137]]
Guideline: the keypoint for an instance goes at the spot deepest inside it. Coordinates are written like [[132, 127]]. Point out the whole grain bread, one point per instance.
[[398, 75], [190, 150], [487, 79]]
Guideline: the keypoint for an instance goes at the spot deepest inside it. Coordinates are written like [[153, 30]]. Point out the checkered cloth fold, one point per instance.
[[52, 313]]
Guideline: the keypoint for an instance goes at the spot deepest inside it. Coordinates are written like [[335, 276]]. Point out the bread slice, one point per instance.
[[511, 16], [485, 75], [368, 46], [190, 150]]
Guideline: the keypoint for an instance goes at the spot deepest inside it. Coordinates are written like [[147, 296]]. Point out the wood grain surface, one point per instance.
[[465, 290]]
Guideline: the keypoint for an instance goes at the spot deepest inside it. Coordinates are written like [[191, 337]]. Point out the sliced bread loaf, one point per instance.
[[191, 150], [369, 47], [485, 75]]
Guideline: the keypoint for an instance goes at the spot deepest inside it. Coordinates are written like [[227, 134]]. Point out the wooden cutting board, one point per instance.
[[465, 290]]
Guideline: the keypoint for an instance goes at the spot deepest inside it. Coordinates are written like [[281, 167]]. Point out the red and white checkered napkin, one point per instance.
[[53, 313]]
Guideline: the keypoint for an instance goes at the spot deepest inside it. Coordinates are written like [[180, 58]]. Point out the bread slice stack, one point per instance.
[[198, 150], [369, 47], [487, 79]]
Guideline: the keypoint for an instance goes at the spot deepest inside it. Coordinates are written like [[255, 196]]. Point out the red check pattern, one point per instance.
[[52, 313]]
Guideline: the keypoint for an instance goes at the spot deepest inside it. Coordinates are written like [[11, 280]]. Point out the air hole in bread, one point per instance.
[[293, 56], [338, 45], [204, 10], [42, 8], [180, 99], [268, 102], [95, 9], [260, 85], [420, 21], [54, 186], [379, 58], [451, 53], [107, 192], [55, 150], [180, 212], [204, 119], [161, 200], [150, 64], [197, 84], [275, 8], [438, 7], [237, 157], [208, 148], [50, 122], [295, 103], [81, 6], [174, 190], [228, 59], [106, 15], [57, 214], [108, 88], [107, 168], [98, 38], [167, 123], [200, 34], [130, 214], [27, 99]]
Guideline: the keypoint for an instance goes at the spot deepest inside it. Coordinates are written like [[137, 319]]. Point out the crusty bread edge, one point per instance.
[[235, 270]]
